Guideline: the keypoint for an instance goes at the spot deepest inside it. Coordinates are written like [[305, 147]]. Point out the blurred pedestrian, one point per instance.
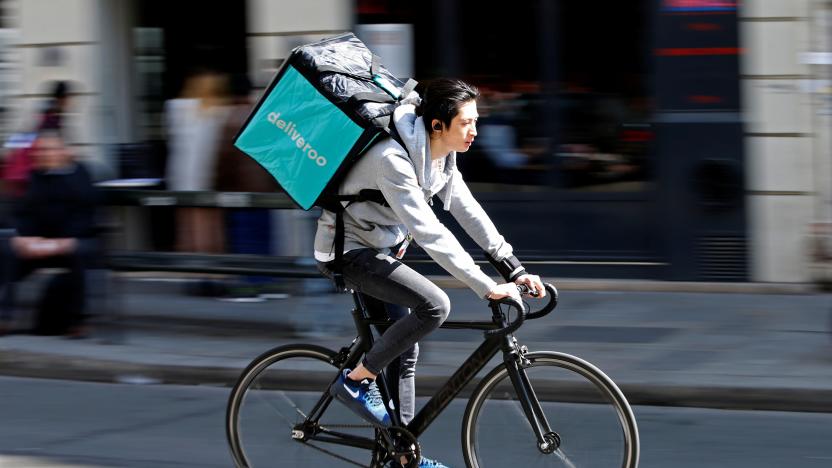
[[236, 171], [54, 228], [18, 160], [194, 122], [248, 230], [57, 107], [498, 135]]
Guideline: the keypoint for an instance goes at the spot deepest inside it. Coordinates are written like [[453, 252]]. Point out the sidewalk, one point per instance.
[[744, 346]]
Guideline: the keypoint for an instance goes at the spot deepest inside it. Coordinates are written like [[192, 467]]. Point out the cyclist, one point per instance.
[[433, 129]]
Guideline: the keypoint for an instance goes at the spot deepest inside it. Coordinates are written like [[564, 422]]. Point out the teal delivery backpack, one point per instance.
[[329, 102]]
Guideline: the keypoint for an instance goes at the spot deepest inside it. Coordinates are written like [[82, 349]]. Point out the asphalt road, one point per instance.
[[61, 424]]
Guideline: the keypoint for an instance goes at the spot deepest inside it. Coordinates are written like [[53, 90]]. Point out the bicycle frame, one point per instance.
[[349, 356]]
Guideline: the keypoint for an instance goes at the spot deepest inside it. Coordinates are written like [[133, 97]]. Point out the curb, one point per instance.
[[61, 367], [49, 366]]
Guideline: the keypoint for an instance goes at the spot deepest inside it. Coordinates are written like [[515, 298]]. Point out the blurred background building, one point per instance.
[[8, 64], [668, 139]]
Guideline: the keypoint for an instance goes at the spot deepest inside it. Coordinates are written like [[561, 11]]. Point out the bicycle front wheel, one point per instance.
[[590, 421], [274, 395]]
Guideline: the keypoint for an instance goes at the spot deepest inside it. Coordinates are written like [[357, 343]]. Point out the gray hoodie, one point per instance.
[[408, 184]]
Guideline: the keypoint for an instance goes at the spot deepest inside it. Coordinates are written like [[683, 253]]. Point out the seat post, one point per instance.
[[360, 316], [358, 301]]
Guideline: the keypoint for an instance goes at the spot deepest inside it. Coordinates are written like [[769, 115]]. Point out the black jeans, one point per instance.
[[14, 269], [416, 304]]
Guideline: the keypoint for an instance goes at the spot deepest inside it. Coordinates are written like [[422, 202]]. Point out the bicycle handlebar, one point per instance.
[[550, 306], [513, 326], [522, 313]]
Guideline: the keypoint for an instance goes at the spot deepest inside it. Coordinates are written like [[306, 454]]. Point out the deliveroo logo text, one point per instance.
[[291, 131]]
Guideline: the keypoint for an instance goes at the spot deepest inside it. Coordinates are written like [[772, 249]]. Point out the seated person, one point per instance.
[[55, 227]]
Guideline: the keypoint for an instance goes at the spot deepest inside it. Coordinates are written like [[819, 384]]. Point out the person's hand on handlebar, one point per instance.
[[502, 291], [534, 284]]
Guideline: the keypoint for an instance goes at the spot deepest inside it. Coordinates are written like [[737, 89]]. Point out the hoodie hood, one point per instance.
[[412, 131]]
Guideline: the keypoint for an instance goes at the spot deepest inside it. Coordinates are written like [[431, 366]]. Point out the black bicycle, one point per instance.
[[533, 409]]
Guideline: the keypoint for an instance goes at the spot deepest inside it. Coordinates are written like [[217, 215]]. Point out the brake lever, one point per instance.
[[526, 290], [513, 326]]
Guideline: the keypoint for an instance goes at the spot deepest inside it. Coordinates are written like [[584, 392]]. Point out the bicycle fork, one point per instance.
[[516, 364]]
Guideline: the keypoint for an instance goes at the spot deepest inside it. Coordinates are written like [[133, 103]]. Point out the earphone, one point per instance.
[[437, 127]]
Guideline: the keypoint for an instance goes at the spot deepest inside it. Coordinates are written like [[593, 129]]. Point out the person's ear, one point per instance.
[[436, 125]]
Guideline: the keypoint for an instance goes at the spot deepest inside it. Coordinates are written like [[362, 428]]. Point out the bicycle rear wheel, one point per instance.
[[587, 414], [275, 393]]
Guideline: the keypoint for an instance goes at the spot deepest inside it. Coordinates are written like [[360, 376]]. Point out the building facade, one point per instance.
[[685, 140], [786, 90]]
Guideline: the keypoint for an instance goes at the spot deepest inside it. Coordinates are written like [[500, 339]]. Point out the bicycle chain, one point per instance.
[[335, 455], [352, 426]]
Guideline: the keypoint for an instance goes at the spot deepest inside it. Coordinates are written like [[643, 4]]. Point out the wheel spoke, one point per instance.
[[562, 455], [290, 402], [277, 410]]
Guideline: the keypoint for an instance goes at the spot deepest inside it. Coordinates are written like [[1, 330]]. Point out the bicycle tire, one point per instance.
[[276, 391], [574, 395]]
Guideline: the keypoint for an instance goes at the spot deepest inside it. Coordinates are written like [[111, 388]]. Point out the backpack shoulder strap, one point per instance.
[[335, 204], [394, 134]]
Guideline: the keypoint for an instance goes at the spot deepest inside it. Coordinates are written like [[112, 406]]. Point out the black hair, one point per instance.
[[60, 89], [442, 98], [56, 105]]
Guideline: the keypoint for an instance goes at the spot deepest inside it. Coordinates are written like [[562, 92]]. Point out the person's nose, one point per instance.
[[473, 131]]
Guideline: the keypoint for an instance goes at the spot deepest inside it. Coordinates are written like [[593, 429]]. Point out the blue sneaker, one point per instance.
[[428, 463], [361, 397]]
